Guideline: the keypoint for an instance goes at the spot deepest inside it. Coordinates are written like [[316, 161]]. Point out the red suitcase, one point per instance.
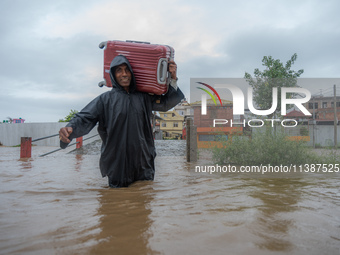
[[149, 63]]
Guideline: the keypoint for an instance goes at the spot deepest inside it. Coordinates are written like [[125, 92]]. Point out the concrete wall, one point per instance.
[[324, 135], [10, 134]]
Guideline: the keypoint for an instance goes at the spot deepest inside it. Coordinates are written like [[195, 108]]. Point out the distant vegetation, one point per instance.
[[69, 117], [276, 75]]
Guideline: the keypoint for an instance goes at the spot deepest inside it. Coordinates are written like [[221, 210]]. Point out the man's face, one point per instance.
[[123, 75]]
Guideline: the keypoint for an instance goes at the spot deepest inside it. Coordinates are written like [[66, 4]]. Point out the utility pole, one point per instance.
[[314, 122], [335, 121]]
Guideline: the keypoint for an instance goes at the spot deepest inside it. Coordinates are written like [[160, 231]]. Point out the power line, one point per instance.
[[326, 91]]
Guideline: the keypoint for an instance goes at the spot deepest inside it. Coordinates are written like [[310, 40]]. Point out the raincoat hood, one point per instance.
[[119, 60]]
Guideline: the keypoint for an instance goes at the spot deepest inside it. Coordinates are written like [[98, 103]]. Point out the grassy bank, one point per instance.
[[268, 148]]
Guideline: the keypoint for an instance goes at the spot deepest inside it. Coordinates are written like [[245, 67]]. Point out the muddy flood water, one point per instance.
[[60, 204]]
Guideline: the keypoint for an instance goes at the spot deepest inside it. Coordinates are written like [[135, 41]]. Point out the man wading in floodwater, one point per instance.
[[124, 117]]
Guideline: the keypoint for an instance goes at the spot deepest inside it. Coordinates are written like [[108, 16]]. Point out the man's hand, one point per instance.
[[64, 133], [173, 69]]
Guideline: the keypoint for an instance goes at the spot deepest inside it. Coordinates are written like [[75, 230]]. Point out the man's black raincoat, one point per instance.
[[128, 150]]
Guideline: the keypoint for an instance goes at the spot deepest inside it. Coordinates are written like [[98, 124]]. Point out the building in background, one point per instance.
[[323, 107], [184, 109], [224, 111], [10, 120], [157, 133], [210, 136], [171, 124], [20, 120]]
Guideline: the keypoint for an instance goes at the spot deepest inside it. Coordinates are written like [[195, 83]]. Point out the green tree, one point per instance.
[[69, 117], [276, 74]]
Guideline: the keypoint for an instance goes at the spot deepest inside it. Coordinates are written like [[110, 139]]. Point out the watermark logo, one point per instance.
[[213, 90], [280, 98], [238, 100], [204, 97]]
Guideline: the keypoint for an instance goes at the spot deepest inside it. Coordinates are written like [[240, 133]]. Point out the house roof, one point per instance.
[[211, 102], [295, 113]]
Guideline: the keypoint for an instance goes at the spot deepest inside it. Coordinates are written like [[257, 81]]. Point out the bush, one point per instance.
[[304, 131], [264, 148]]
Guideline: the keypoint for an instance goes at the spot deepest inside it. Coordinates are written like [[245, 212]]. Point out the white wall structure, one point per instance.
[[324, 135], [10, 134]]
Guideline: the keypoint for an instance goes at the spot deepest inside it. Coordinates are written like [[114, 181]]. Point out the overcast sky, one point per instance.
[[51, 62]]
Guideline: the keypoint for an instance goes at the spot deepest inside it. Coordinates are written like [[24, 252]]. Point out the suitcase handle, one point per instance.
[[131, 41], [162, 69]]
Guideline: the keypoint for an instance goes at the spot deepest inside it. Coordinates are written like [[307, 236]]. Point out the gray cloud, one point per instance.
[[49, 66]]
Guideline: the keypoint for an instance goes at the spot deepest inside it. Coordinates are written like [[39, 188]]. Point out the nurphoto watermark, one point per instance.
[[269, 102], [267, 170]]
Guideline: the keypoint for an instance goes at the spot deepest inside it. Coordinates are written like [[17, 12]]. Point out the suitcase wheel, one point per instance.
[[102, 45], [102, 84]]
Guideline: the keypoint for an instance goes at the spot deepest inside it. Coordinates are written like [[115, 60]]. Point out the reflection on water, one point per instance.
[[124, 220], [59, 204], [278, 197]]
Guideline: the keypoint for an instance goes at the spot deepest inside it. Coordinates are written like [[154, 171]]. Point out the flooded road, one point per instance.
[[60, 204]]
